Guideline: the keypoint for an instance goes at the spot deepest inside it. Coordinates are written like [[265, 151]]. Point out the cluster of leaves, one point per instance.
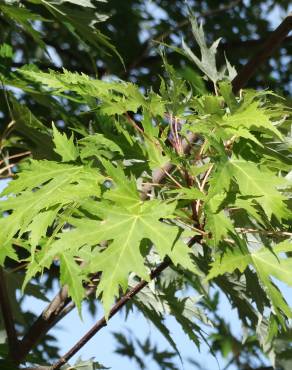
[[89, 203], [79, 17]]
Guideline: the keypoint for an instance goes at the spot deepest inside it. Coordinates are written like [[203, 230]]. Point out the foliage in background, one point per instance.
[[83, 208]]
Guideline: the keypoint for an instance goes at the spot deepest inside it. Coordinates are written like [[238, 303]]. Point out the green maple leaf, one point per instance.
[[97, 145], [64, 147], [70, 276], [242, 132], [116, 97], [125, 228], [252, 117], [225, 89], [261, 185], [220, 180], [207, 64], [54, 185], [33, 130], [154, 307], [6, 51], [23, 17], [218, 224], [7, 250], [39, 225], [158, 303], [217, 221], [267, 263], [123, 190]]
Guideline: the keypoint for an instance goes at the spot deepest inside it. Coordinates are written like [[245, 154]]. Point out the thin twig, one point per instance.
[[9, 176], [190, 183], [7, 168], [7, 317], [260, 231], [59, 307], [202, 186], [103, 321], [57, 303], [271, 44], [15, 156], [134, 124], [173, 179]]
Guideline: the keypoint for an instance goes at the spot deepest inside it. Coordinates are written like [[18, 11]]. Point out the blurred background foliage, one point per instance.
[[65, 38]]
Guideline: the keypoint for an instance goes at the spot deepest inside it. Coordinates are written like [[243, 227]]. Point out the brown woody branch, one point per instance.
[[59, 307], [271, 44], [251, 43], [38, 329], [275, 39], [160, 173], [103, 321], [14, 156], [7, 317]]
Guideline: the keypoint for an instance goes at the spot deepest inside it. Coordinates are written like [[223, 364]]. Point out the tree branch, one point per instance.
[[38, 329], [59, 307], [251, 43], [160, 173], [159, 37], [103, 321], [57, 304], [7, 317], [271, 44], [278, 233]]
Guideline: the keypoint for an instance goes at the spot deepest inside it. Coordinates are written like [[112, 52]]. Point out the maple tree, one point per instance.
[[187, 185]]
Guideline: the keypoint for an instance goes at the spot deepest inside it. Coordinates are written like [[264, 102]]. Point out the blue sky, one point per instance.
[[102, 345]]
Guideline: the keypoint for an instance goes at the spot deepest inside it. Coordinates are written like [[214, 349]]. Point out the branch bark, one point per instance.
[[38, 329], [271, 44], [7, 317], [59, 307]]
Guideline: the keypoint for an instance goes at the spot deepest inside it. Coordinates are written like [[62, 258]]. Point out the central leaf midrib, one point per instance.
[[124, 246]]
